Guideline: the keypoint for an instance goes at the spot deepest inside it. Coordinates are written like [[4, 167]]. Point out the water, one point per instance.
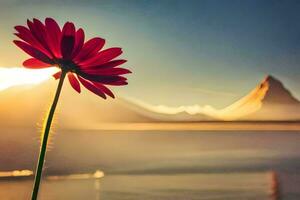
[[148, 187], [168, 166]]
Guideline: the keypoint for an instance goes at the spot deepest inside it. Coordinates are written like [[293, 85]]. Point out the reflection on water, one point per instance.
[[16, 173], [163, 166], [98, 174], [97, 188], [147, 187]]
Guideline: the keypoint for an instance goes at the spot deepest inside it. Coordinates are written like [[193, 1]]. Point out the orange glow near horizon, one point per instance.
[[14, 76]]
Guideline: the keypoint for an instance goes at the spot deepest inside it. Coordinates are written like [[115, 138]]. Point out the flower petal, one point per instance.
[[34, 63], [38, 30], [107, 65], [104, 89], [91, 87], [89, 49], [117, 83], [53, 36], [74, 82], [79, 41], [67, 40], [102, 57], [33, 51], [101, 78], [57, 75], [107, 71], [26, 35]]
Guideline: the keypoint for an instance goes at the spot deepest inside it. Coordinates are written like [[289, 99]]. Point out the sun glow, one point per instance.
[[14, 76]]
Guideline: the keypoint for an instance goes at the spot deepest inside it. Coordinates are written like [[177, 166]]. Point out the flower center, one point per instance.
[[66, 65]]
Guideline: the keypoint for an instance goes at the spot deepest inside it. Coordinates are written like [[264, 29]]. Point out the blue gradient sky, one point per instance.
[[181, 52]]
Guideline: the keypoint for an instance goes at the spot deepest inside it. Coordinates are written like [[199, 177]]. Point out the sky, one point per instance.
[[181, 52]]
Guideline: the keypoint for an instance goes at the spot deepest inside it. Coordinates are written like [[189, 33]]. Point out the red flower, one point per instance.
[[84, 62]]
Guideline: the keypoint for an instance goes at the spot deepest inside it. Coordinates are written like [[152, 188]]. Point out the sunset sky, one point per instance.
[[181, 52]]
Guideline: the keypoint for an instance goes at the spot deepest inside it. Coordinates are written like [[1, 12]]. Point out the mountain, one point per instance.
[[270, 100], [26, 106]]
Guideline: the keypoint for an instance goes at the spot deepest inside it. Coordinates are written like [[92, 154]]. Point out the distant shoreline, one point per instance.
[[290, 126], [203, 126]]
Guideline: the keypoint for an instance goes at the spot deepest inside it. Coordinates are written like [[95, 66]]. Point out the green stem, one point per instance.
[[43, 149]]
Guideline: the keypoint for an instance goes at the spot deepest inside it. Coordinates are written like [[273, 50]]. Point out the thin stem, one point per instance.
[[43, 149]]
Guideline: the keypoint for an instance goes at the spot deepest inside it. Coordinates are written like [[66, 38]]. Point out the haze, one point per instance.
[[200, 52]]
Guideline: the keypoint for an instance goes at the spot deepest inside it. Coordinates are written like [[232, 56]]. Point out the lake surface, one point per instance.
[[168, 166]]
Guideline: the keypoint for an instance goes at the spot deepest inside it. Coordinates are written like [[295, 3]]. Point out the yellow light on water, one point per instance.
[[98, 174], [16, 173]]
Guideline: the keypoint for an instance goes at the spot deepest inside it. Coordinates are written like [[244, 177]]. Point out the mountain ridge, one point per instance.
[[26, 105], [269, 100], [275, 87]]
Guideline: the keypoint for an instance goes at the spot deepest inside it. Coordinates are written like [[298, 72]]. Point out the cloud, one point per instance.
[[172, 110]]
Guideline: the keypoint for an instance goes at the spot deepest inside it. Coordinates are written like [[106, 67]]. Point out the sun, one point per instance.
[[13, 76]]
